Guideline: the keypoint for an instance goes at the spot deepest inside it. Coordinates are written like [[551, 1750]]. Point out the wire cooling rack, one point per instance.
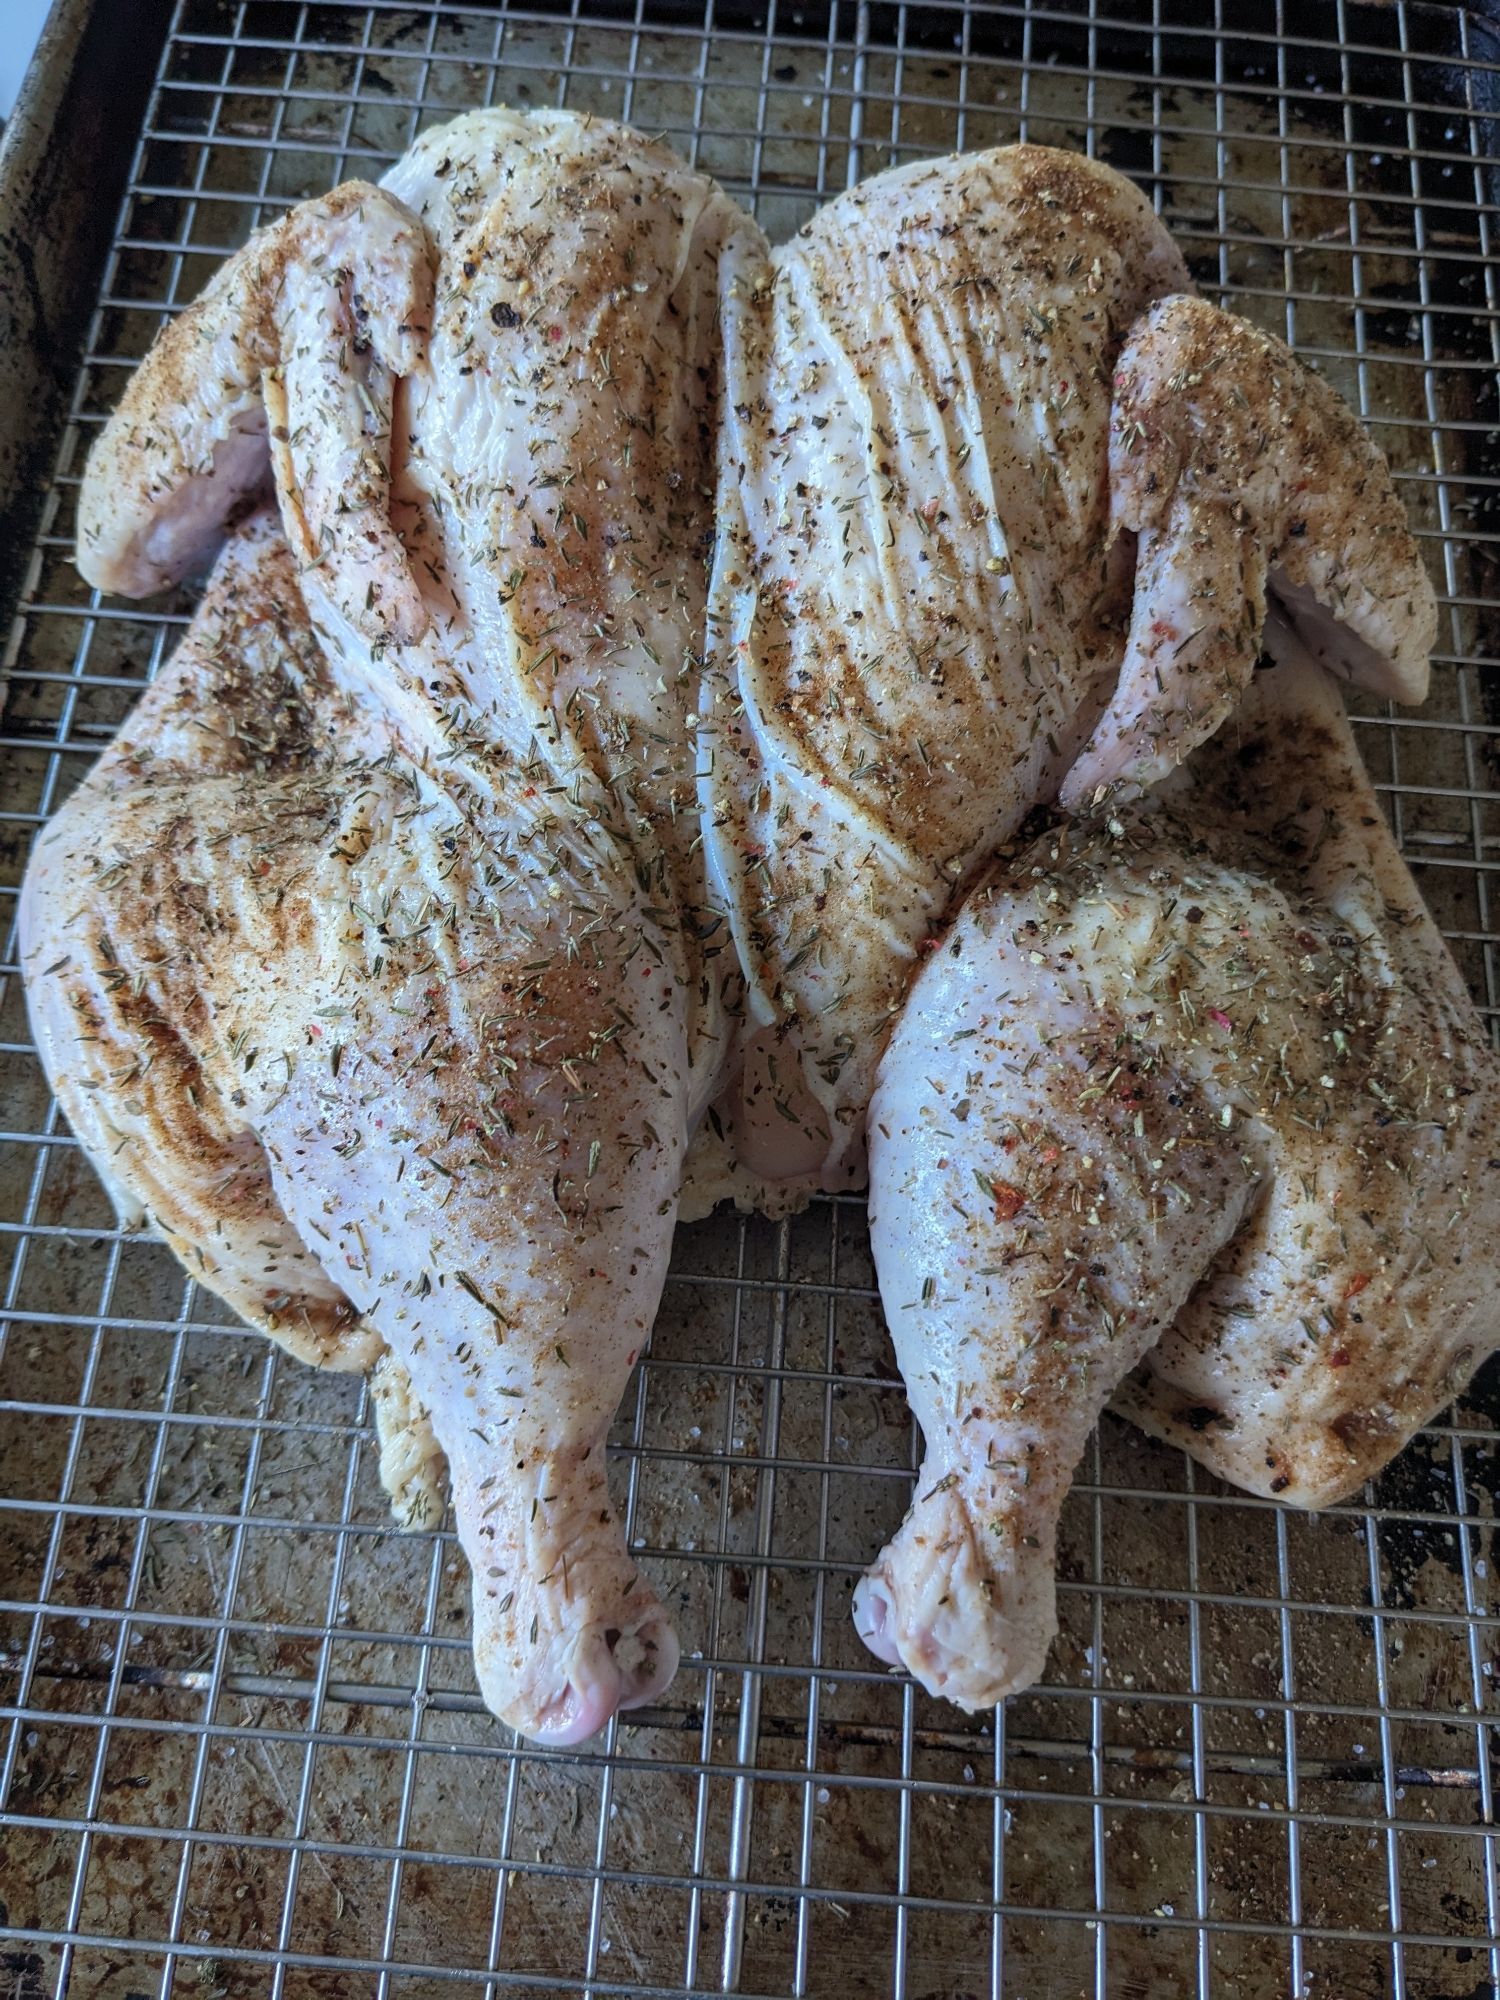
[[240, 1748]]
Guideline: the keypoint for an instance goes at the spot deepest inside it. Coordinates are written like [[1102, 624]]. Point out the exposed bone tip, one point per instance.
[[612, 1671]]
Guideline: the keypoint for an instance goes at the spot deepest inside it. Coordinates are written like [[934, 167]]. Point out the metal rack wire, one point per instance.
[[240, 1748]]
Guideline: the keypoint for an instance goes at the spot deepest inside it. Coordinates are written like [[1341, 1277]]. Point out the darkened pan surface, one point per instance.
[[240, 1749]]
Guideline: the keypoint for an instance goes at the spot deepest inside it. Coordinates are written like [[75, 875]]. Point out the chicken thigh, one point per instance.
[[1199, 1085], [421, 948]]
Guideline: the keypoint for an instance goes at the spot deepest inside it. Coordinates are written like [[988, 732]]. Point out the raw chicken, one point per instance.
[[952, 408], [391, 959], [379, 954], [1201, 1086]]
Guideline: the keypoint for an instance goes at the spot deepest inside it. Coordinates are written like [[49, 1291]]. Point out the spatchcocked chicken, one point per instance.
[[651, 655]]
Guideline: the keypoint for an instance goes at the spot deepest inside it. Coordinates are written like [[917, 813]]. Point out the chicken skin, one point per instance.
[[629, 649], [1197, 1094]]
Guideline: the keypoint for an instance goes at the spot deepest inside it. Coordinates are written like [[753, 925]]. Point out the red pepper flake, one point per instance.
[[1221, 1020], [1009, 1201], [1340, 1358], [1048, 1154], [554, 333], [1356, 1284], [1162, 628]]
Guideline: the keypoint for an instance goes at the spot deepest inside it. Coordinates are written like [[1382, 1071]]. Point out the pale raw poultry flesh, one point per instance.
[[479, 856]]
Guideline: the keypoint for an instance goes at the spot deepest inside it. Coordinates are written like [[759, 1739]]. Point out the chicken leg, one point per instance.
[[1202, 1087], [370, 1102]]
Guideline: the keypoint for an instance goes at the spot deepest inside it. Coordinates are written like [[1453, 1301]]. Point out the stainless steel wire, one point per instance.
[[241, 1752]]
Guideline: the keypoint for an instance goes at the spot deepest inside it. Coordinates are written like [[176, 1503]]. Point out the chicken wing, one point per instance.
[[325, 310]]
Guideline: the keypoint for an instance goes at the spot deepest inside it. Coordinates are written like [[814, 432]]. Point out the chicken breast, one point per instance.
[[997, 512]]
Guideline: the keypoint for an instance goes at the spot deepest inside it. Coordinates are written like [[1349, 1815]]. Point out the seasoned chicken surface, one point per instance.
[[484, 878], [1237, 469], [954, 403], [1197, 1094], [132, 912]]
